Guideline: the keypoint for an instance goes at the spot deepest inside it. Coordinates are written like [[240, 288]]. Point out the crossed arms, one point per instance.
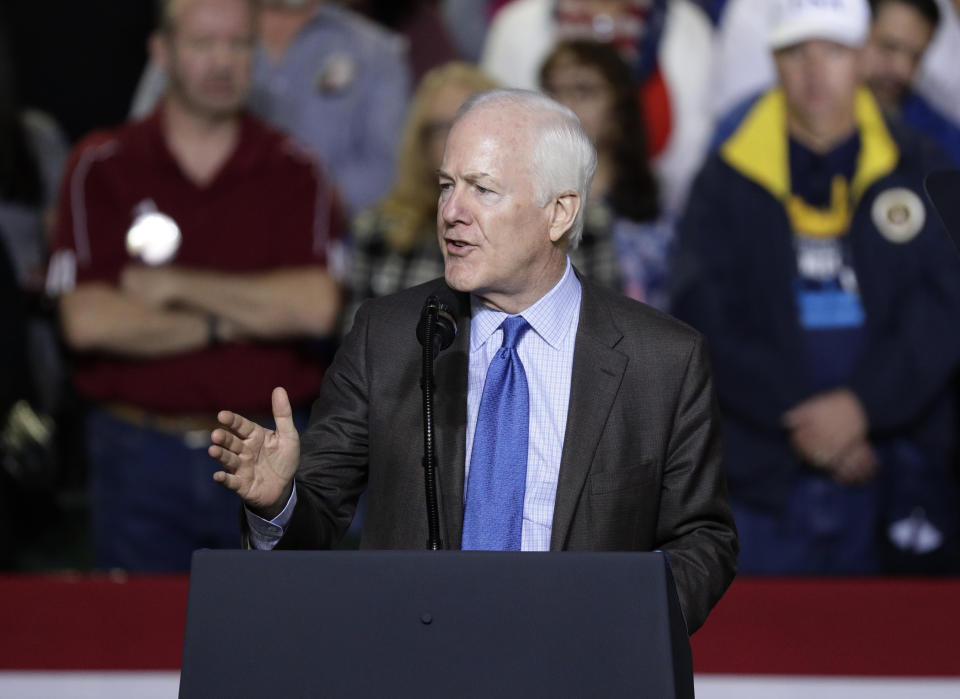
[[160, 311]]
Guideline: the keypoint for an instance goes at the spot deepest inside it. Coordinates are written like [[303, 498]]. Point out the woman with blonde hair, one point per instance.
[[395, 244]]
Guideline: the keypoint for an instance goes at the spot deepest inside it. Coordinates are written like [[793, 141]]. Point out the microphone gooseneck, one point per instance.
[[436, 330]]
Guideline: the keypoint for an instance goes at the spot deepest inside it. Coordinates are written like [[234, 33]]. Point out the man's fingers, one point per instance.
[[857, 464], [852, 474], [227, 440], [861, 463], [238, 424], [283, 412], [818, 446], [228, 480], [812, 449], [227, 459]]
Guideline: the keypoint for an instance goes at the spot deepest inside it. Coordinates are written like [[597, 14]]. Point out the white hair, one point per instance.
[[564, 159]]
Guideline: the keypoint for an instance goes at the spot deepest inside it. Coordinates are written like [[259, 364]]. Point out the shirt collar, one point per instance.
[[246, 153], [550, 317]]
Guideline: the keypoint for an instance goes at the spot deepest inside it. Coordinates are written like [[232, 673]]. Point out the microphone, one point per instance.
[[435, 330], [436, 312]]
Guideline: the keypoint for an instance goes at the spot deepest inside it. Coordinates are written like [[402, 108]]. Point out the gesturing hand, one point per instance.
[[259, 463]]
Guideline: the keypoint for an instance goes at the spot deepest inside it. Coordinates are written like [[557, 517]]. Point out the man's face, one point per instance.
[[899, 36], [495, 236], [208, 55], [819, 79]]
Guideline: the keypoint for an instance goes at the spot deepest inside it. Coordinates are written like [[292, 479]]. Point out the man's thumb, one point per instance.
[[282, 412]]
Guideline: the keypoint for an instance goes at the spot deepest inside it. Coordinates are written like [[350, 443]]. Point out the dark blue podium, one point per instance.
[[453, 624]]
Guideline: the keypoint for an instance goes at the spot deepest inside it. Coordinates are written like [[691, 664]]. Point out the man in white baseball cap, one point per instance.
[[827, 292]]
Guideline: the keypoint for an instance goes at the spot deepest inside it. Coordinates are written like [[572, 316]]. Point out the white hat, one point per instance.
[[843, 21]]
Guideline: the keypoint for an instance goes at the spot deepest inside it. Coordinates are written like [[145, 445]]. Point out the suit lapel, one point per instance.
[[450, 420], [597, 373]]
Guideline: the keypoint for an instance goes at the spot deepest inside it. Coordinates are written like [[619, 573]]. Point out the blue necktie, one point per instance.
[[493, 516]]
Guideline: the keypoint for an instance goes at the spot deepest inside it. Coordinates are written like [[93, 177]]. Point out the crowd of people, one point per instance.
[[760, 168]]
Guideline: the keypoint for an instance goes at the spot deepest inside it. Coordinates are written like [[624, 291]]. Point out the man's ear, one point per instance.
[[566, 206]]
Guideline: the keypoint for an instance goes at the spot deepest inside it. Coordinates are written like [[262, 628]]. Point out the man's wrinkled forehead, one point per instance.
[[491, 151], [501, 126]]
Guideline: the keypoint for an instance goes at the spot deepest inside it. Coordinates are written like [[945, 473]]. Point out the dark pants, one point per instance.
[[153, 497], [825, 529]]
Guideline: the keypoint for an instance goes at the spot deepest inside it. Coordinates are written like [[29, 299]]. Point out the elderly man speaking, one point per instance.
[[568, 418]]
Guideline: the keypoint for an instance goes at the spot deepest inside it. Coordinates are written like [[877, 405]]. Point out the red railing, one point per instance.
[[792, 627]]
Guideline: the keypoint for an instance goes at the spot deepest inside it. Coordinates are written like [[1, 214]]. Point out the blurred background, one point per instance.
[[816, 267]]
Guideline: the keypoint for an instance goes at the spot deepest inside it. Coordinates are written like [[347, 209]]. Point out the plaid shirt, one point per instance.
[[376, 269]]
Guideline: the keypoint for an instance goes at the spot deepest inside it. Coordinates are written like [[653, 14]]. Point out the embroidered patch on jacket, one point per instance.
[[899, 214]]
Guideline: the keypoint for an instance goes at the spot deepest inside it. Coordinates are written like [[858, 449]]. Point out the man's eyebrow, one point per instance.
[[469, 176], [474, 176]]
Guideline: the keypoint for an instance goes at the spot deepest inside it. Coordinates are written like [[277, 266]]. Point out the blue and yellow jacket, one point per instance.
[[735, 268]]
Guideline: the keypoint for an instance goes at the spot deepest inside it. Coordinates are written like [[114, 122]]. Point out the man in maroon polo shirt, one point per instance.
[[190, 262]]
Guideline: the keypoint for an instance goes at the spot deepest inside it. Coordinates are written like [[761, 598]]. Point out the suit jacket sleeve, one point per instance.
[[642, 455], [331, 477], [695, 527]]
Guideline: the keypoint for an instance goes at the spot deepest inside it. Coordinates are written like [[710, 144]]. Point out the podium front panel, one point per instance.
[[433, 624]]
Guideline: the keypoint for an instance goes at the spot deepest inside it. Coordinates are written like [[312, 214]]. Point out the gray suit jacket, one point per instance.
[[641, 457]]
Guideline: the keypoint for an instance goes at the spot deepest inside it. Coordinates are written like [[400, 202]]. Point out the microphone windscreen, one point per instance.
[[445, 330]]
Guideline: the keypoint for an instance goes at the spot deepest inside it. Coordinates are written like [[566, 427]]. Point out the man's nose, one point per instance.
[[818, 64], [452, 209], [222, 54]]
